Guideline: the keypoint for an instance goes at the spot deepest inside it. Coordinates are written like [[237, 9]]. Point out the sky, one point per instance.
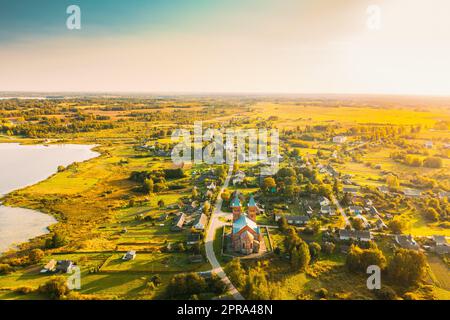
[[227, 46]]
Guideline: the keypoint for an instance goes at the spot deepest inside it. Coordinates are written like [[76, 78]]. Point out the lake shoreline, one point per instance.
[[51, 219]]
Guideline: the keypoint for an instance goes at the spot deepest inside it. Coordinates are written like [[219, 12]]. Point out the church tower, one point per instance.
[[236, 207], [252, 208]]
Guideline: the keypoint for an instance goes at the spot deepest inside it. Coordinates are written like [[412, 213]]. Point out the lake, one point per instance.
[[24, 165]]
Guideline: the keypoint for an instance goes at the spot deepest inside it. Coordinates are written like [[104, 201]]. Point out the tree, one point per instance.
[[314, 250], [148, 186], [225, 195], [328, 247], [282, 223], [392, 181], [300, 256], [206, 207], [314, 225], [236, 273], [36, 255], [407, 267], [257, 286], [194, 193], [397, 225], [432, 214], [55, 288], [186, 285], [216, 285], [268, 184], [55, 241], [359, 259], [433, 162], [358, 224]]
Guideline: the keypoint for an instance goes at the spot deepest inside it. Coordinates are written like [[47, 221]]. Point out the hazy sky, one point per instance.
[[275, 46]]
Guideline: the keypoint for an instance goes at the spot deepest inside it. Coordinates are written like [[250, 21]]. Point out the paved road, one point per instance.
[[339, 208], [215, 224]]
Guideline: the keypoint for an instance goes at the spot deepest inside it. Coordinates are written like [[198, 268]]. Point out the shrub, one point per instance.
[[322, 293], [24, 290], [5, 268], [385, 293], [36, 255], [55, 288]]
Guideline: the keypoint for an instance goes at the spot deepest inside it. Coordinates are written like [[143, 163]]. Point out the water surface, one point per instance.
[[24, 165]]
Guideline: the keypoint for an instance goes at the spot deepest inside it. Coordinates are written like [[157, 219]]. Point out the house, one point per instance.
[[130, 255], [412, 193], [309, 210], [355, 210], [368, 202], [179, 222], [363, 219], [351, 190], [246, 236], [406, 242], [201, 222], [339, 139], [429, 144], [380, 225], [444, 194], [49, 267], [293, 220], [373, 211], [65, 266], [332, 172], [383, 189], [439, 240], [359, 235], [327, 210], [323, 201], [442, 247], [211, 186]]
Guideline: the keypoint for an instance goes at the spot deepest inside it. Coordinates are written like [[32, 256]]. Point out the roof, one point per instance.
[[202, 219], [251, 202], [64, 264], [50, 265], [236, 202], [440, 239], [406, 242], [244, 221], [179, 221], [355, 234], [411, 192]]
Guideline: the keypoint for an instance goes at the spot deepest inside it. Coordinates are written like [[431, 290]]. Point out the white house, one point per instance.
[[323, 201], [200, 223], [429, 144], [339, 139], [130, 255]]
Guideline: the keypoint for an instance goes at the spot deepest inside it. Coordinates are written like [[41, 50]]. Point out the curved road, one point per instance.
[[215, 224]]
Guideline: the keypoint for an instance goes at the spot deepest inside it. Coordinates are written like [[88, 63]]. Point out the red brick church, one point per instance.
[[246, 236]]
